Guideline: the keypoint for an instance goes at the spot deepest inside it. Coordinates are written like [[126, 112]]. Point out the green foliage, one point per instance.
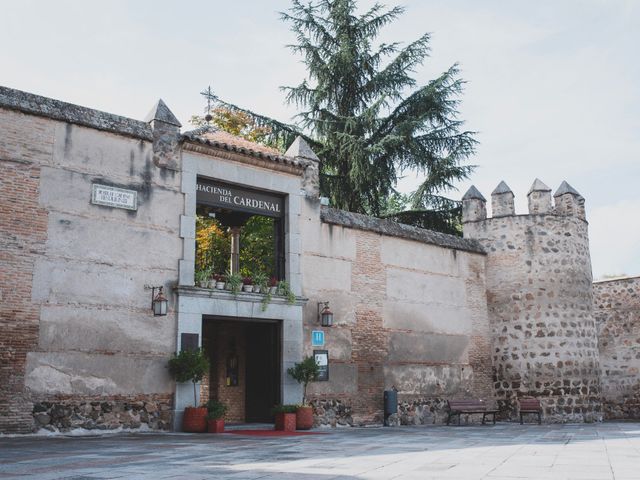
[[203, 275], [364, 114], [257, 253], [284, 409], [304, 373], [284, 289], [234, 282], [216, 409], [432, 212], [189, 366], [235, 122], [260, 279]]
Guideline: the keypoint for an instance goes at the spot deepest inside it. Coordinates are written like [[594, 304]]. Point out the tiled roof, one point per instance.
[[233, 143]]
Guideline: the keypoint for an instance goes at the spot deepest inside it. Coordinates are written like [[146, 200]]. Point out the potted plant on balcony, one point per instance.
[[247, 284], [220, 281], [215, 416], [304, 373], [234, 282], [273, 285], [284, 289], [260, 282], [202, 276], [191, 366], [285, 417]]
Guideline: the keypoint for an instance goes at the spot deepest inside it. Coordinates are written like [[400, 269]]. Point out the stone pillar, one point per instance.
[[301, 151], [539, 198], [474, 206], [166, 136], [502, 201], [568, 201], [235, 249]]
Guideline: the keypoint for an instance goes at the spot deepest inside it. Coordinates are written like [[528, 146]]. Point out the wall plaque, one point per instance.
[[317, 338], [218, 194], [322, 359], [189, 341], [114, 197]]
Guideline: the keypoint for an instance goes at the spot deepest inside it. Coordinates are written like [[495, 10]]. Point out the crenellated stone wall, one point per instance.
[[616, 306], [539, 296]]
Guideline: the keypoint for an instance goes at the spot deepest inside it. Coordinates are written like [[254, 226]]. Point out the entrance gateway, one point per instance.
[[242, 231]]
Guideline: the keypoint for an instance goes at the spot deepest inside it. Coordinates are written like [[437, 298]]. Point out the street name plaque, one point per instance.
[[114, 197]]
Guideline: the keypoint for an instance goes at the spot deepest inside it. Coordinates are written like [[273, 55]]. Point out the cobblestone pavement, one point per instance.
[[500, 452]]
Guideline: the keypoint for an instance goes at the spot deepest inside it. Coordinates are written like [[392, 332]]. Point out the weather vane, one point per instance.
[[208, 93]]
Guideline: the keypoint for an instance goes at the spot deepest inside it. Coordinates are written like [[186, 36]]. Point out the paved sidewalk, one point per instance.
[[500, 452]]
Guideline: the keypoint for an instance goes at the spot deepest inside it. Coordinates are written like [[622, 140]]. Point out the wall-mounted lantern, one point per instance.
[[159, 303], [325, 315]]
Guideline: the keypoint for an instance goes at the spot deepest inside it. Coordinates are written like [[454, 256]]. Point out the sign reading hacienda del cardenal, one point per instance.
[[217, 194], [114, 197]]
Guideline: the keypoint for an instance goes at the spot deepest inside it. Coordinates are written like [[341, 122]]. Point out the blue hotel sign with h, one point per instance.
[[317, 338]]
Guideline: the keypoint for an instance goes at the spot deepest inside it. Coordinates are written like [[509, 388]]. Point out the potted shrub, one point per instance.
[[202, 276], [284, 289], [273, 285], [234, 282], [260, 282], [220, 281], [285, 417], [215, 416], [304, 373], [191, 366], [247, 284]]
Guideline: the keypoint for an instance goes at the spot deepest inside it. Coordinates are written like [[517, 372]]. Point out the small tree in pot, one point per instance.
[[304, 373], [191, 366]]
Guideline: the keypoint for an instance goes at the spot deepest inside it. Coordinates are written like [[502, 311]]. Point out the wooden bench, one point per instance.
[[468, 407], [530, 405]]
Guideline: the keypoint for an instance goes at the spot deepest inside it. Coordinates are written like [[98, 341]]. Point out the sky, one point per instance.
[[553, 87]]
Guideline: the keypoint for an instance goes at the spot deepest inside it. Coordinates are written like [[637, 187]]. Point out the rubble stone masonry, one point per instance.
[[616, 306], [539, 295]]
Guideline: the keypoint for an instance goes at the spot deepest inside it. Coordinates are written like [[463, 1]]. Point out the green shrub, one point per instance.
[[216, 409], [284, 409], [189, 366], [304, 373]]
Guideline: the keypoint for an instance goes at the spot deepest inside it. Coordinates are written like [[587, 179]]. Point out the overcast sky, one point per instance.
[[553, 86]]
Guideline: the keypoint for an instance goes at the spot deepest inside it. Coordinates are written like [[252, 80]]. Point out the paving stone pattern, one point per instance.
[[501, 452]]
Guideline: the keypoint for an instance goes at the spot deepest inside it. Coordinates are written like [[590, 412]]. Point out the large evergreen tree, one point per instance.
[[367, 119]]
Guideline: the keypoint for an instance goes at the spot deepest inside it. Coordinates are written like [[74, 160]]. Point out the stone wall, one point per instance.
[[409, 311], [103, 413], [617, 312], [540, 303], [76, 318]]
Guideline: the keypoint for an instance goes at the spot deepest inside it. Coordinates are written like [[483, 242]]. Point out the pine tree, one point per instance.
[[367, 119]]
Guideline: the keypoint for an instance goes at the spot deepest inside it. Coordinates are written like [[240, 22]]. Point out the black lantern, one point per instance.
[[325, 315], [159, 302]]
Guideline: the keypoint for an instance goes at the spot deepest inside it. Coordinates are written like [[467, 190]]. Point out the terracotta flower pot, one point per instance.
[[304, 418], [286, 422], [194, 420], [215, 426]]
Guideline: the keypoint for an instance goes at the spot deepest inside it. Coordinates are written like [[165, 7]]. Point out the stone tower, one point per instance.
[[539, 295]]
